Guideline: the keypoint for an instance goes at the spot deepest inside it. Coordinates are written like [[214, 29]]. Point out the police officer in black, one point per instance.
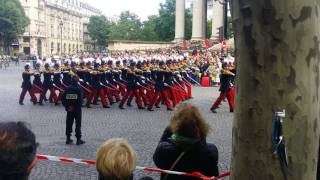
[[72, 101]]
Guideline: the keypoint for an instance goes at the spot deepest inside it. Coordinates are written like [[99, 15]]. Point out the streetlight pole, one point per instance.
[[61, 25]]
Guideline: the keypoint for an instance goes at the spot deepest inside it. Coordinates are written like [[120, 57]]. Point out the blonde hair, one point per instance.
[[188, 121], [116, 158]]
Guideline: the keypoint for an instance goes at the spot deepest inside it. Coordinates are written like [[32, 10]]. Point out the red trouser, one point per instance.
[[52, 94], [173, 93], [108, 92], [88, 94], [61, 91], [180, 93], [223, 95], [23, 94], [144, 97], [189, 89], [122, 89], [116, 93], [131, 93], [233, 93], [150, 91], [37, 90], [99, 92], [158, 96], [183, 94]]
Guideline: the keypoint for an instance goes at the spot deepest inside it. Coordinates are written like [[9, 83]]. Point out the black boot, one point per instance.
[[69, 140], [213, 110], [79, 142]]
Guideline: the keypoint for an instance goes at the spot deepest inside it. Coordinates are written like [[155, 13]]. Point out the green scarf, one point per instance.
[[183, 140]]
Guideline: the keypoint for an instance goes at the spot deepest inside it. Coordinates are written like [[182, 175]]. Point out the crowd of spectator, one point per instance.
[[182, 147]]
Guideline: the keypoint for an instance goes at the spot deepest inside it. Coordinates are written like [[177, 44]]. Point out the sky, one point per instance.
[[111, 8]]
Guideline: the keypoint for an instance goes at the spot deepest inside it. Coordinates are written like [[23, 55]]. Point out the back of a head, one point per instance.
[[17, 151], [188, 122], [116, 160]]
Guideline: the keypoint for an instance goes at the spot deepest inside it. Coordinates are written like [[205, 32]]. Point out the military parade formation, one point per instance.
[[150, 82]]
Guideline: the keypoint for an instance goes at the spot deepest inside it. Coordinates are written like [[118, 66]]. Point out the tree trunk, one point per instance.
[[277, 49]]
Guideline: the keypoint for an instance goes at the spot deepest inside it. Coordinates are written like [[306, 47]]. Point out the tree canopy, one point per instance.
[[13, 20], [99, 30], [127, 27], [160, 27]]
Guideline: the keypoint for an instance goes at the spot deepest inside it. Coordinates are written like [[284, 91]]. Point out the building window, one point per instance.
[[26, 39], [58, 45]]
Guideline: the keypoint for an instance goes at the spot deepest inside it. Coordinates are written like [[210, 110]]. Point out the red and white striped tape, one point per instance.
[[93, 163]]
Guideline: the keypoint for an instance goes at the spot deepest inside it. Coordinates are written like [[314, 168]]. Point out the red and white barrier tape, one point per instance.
[[93, 163]]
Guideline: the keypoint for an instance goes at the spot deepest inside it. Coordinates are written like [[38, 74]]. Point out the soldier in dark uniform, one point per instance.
[[66, 80], [160, 91], [26, 85], [37, 84], [117, 77], [132, 89], [48, 84], [97, 86], [57, 85], [225, 89], [72, 101], [115, 92]]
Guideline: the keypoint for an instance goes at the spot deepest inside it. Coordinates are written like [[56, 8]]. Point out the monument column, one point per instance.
[[197, 20], [180, 20], [217, 19]]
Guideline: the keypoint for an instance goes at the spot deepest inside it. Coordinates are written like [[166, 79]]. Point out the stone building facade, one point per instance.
[[56, 27]]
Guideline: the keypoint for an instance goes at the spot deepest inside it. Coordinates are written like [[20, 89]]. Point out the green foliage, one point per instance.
[[229, 29], [13, 20], [209, 29], [188, 24], [166, 22], [98, 29], [128, 27], [159, 27], [148, 32]]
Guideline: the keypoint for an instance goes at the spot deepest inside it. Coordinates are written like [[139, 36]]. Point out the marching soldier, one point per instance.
[[48, 84], [37, 84], [225, 89], [65, 69], [57, 85], [26, 85], [132, 89], [160, 91], [97, 86]]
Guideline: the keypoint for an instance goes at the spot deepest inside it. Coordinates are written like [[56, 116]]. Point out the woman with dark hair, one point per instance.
[[18, 148], [183, 145]]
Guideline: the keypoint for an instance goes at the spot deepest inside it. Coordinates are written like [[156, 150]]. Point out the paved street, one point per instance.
[[142, 129]]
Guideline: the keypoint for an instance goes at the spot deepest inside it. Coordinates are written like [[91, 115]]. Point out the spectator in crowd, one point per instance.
[[17, 151], [183, 145], [116, 160]]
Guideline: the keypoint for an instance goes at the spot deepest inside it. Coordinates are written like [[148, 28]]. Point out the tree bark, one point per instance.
[[277, 49]]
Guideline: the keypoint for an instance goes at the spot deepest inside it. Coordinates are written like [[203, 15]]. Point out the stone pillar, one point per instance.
[[197, 20], [204, 16], [217, 19], [180, 20]]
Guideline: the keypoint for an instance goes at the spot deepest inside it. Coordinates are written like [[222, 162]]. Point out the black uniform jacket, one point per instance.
[[72, 97]]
